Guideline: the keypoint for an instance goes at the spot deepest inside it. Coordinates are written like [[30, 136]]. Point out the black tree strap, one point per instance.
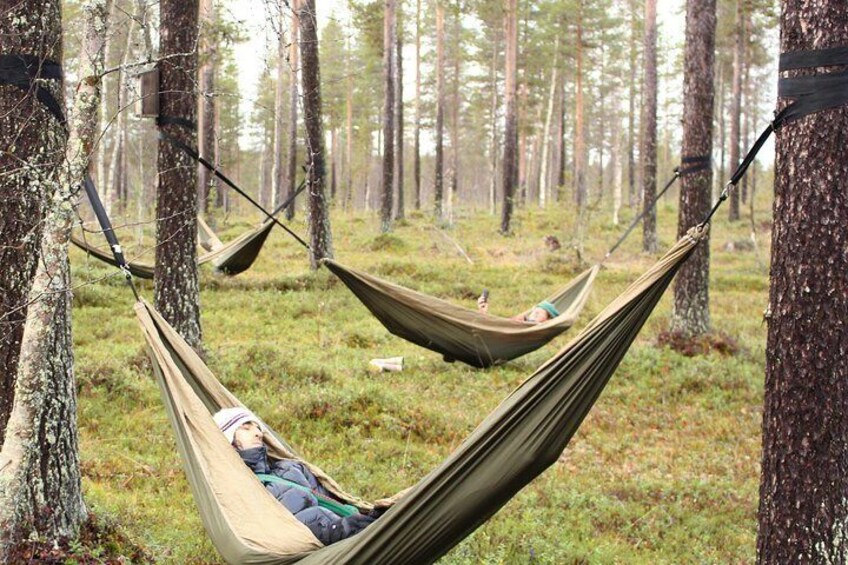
[[184, 123], [108, 231], [23, 70], [809, 94], [194, 155], [696, 164], [647, 209]]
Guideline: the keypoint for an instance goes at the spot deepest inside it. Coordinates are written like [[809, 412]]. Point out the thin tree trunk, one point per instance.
[[319, 217], [294, 50], [720, 119], [206, 108], [510, 170], [617, 171], [176, 290], [579, 126], [388, 115], [417, 127], [455, 107], [649, 131], [116, 178], [631, 115], [561, 140], [398, 175], [349, 132], [438, 176], [40, 478], [31, 28], [803, 516], [334, 156], [493, 158], [691, 313], [735, 107], [279, 120], [543, 176]]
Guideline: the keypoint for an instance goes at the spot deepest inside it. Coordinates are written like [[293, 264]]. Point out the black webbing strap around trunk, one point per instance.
[[23, 70], [191, 152], [809, 94], [695, 164]]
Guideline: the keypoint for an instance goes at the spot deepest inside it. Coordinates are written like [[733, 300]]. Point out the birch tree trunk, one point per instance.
[[691, 310], [803, 515], [546, 136], [176, 289], [40, 479], [319, 217], [28, 171], [294, 51], [510, 169], [649, 131], [117, 180], [388, 115]]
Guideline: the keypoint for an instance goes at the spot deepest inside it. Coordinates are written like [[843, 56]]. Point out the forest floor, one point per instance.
[[665, 469]]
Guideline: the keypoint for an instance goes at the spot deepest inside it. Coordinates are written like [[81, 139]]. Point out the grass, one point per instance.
[[664, 469]]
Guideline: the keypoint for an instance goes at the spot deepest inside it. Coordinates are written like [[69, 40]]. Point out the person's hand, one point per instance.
[[483, 304], [356, 523]]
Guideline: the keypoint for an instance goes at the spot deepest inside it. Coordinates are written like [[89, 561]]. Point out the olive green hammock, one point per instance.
[[514, 444], [232, 258], [459, 333]]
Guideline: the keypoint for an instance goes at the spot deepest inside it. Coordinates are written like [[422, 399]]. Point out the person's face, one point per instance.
[[248, 436], [538, 315]]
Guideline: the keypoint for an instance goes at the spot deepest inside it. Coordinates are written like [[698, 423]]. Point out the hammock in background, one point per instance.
[[514, 444]]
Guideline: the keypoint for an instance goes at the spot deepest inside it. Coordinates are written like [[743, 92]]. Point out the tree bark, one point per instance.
[[398, 174], [30, 158], [549, 115], [631, 116], [40, 478], [417, 128], [349, 133], [319, 217], [438, 176], [803, 513], [493, 157], [735, 108], [649, 131], [388, 115], [510, 169], [117, 177], [279, 121], [579, 126], [691, 311], [456, 103], [617, 171], [176, 290], [206, 107], [294, 50]]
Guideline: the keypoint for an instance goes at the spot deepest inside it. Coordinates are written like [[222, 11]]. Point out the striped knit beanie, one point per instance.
[[229, 420]]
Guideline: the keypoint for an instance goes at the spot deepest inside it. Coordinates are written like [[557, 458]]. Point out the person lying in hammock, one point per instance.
[[541, 312], [244, 431]]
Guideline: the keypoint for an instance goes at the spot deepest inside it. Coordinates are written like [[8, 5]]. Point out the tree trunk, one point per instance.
[[116, 179], [32, 28], [617, 171], [349, 131], [649, 131], [455, 107], [417, 127], [438, 176], [388, 115], [40, 478], [398, 174], [803, 516], [206, 108], [176, 291], [549, 115], [493, 158], [334, 152], [631, 116], [720, 119], [319, 217], [691, 314], [294, 50], [561, 158], [510, 170], [735, 108], [579, 127], [279, 180]]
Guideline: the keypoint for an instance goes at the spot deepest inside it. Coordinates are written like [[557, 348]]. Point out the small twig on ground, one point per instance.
[[455, 244]]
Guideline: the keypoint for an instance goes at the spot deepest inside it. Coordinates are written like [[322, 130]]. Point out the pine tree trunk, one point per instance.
[[116, 180], [803, 516], [176, 290], [40, 478], [735, 108], [349, 133], [493, 157], [319, 217], [561, 159], [279, 121], [579, 126], [438, 176], [649, 131], [417, 128], [720, 120], [549, 115], [617, 171], [456, 102], [388, 115], [294, 50], [398, 174], [691, 314], [510, 169], [31, 28], [631, 115], [206, 108]]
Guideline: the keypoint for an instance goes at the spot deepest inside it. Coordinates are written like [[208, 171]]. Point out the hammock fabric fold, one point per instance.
[[514, 444], [231, 258], [458, 333]]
